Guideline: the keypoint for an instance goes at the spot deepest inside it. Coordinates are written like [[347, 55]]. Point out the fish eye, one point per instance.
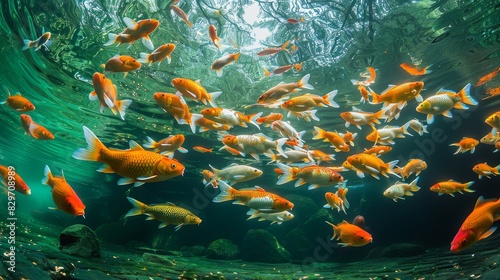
[[286, 203], [464, 241], [173, 165], [69, 204]]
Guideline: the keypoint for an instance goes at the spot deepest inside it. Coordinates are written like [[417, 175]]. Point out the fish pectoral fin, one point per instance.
[[237, 202], [487, 233], [239, 177], [178, 227], [372, 169], [191, 94], [344, 244], [106, 169], [53, 208], [162, 225], [447, 114], [108, 101], [125, 181], [146, 178]]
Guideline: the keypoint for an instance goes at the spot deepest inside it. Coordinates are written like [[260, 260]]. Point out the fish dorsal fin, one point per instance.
[[344, 222], [62, 175], [232, 164], [135, 146], [451, 180], [198, 82], [481, 201], [260, 189], [166, 203], [130, 23]]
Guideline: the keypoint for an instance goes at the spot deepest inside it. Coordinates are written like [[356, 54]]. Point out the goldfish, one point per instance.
[[316, 176], [121, 63], [348, 137], [202, 149], [291, 156], [166, 146], [282, 69], [399, 94], [25, 122], [466, 144], [387, 134], [19, 103], [135, 165], [372, 165], [235, 173], [158, 55], [308, 101], [269, 119], [177, 107], [364, 93], [105, 92], [225, 60], [359, 118], [370, 76], [271, 51], [167, 214], [207, 176], [494, 121], [181, 14], [398, 190], [414, 70], [12, 179], [230, 117], [295, 21], [212, 32], [497, 147], [333, 137], [281, 90], [135, 31], [478, 225], [287, 130], [413, 166], [278, 217], [254, 144], [256, 198], [63, 194], [337, 200], [486, 78], [195, 91], [36, 131], [483, 169], [451, 186], [444, 101], [490, 139], [232, 151], [392, 112], [492, 92], [306, 115], [378, 150], [320, 156], [418, 127], [42, 41], [350, 235], [206, 124]]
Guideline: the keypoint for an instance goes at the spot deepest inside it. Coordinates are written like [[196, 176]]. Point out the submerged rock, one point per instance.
[[261, 246], [147, 257], [400, 250], [193, 251], [299, 246], [80, 240], [222, 249]]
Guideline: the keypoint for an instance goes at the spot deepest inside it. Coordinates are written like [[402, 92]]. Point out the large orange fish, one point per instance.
[[195, 91], [63, 194], [350, 235], [316, 176], [483, 169], [466, 144], [35, 130], [121, 63], [414, 70], [19, 103], [399, 94], [478, 225], [177, 107], [451, 186], [9, 174], [135, 164], [135, 31], [105, 92], [158, 55]]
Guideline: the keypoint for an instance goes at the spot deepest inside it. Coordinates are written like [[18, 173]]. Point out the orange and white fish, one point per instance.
[[158, 55], [207, 176], [478, 225], [295, 21], [333, 137], [418, 127], [491, 139], [287, 130], [320, 156], [399, 190], [494, 121], [497, 147], [134, 31], [444, 101], [282, 69], [451, 186], [63, 194], [370, 76], [337, 200], [256, 198], [206, 124], [254, 144], [349, 137], [212, 33], [135, 165], [387, 134], [378, 150], [413, 166], [483, 169], [18, 102], [9, 174], [291, 156], [230, 117], [399, 94], [177, 107], [42, 41], [195, 91], [316, 176], [364, 93], [121, 63], [414, 70], [269, 119], [308, 101], [36, 131], [105, 92], [488, 77], [359, 118], [166, 146], [181, 14], [466, 144], [350, 235], [281, 90], [271, 51], [202, 149], [223, 61], [306, 115], [278, 217], [235, 173], [25, 122], [372, 165], [167, 213]]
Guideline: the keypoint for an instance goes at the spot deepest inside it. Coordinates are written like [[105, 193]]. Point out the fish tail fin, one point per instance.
[[193, 120], [94, 148], [112, 37], [279, 146], [329, 99], [413, 185], [226, 192], [266, 72], [48, 176], [375, 97], [216, 42], [272, 156], [283, 47], [150, 143], [343, 196], [253, 119], [465, 96], [496, 169], [27, 44], [288, 174], [405, 128], [122, 106], [213, 96], [137, 207], [468, 185], [215, 171], [253, 214], [304, 82], [144, 58], [335, 230], [318, 133], [390, 168]]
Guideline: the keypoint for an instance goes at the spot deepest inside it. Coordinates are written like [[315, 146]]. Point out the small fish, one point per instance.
[[230, 117], [349, 137], [466, 144], [278, 217], [378, 150], [486, 78], [235, 173], [399, 94], [370, 76], [399, 190], [121, 63], [287, 130], [492, 92], [413, 166], [134, 31], [387, 134], [320, 156], [254, 144], [105, 92], [181, 14], [42, 41], [212, 32], [25, 122], [478, 225], [269, 119], [359, 118], [202, 149], [167, 214], [37, 131], [19, 184], [359, 221], [308, 101], [364, 93], [225, 60], [414, 70], [158, 55], [18, 102], [207, 176], [295, 21], [291, 156], [166, 146], [206, 124], [316, 176], [483, 169], [337, 200], [491, 139], [334, 138], [281, 90], [418, 127], [194, 90], [271, 51], [282, 69], [494, 121], [451, 186], [350, 235], [232, 151], [177, 107], [372, 165], [63, 194]]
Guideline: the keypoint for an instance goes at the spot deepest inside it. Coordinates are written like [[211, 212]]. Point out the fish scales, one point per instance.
[[131, 164], [168, 213]]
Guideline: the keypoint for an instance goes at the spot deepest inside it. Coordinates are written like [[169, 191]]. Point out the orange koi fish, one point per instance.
[[9, 174], [386, 135], [206, 124], [180, 13], [281, 90], [269, 119], [25, 122], [490, 139], [257, 198], [177, 107], [414, 70], [483, 169], [105, 92], [308, 101], [349, 137], [230, 117], [378, 150], [364, 93], [121, 63], [399, 94], [413, 166], [295, 21], [316, 176], [320, 156], [350, 235], [232, 151], [135, 164], [451, 186], [19, 103], [370, 76], [333, 137], [166, 146], [337, 200], [271, 51], [207, 176], [492, 92], [254, 144], [372, 165], [478, 225], [212, 32], [466, 144], [158, 55], [195, 91], [63, 194], [359, 118], [486, 78], [224, 61], [202, 149], [42, 41], [35, 130], [399, 190], [133, 32], [167, 214], [494, 121]]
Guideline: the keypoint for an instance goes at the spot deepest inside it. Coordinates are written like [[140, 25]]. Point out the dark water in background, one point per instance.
[[337, 42]]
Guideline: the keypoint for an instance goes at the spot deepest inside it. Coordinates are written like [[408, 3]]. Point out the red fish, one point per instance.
[[121, 63], [63, 194], [9, 174], [414, 70], [212, 32], [295, 21], [158, 55], [135, 31], [19, 103], [105, 92], [271, 51]]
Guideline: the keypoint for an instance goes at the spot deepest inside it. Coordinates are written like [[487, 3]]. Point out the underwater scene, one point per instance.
[[250, 139]]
